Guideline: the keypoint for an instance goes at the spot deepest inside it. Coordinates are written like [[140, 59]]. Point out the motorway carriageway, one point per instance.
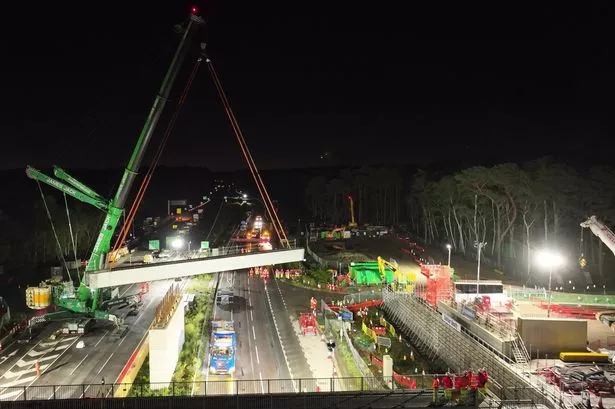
[[259, 354], [61, 363]]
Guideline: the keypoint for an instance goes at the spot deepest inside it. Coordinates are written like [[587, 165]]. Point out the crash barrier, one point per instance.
[[213, 388], [345, 346], [454, 347], [132, 367], [583, 357], [339, 400]]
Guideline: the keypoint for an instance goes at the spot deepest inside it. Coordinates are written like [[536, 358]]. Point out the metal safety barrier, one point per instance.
[[215, 388]]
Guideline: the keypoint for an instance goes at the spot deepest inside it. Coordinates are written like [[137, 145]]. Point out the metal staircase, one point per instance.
[[519, 351]]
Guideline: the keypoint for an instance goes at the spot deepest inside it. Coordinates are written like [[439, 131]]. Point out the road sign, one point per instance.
[[204, 244], [384, 341], [154, 244]]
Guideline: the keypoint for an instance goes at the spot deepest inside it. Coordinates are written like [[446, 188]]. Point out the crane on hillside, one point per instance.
[[601, 231], [82, 301]]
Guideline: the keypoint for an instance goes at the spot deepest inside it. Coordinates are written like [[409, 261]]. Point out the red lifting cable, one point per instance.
[[249, 159], [148, 177], [237, 131]]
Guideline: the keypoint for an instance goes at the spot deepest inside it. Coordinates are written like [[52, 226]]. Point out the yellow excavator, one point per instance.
[[403, 280]]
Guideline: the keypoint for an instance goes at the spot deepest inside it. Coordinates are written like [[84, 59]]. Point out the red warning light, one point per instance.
[[194, 10]]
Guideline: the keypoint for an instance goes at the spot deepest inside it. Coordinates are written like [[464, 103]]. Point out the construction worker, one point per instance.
[[435, 385], [447, 384]]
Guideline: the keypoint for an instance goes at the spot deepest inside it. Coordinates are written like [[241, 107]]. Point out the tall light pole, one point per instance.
[[479, 245], [449, 247], [549, 259]]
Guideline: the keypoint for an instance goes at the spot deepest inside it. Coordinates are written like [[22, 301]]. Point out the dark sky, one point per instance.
[[365, 81]]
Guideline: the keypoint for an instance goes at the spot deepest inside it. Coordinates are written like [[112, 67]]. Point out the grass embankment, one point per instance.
[[189, 362]]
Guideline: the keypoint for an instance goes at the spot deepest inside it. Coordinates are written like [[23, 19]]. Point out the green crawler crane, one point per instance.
[[81, 301]]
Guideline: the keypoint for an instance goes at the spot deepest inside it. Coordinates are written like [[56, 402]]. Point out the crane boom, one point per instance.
[[83, 299], [103, 241], [36, 174], [601, 231], [63, 175]]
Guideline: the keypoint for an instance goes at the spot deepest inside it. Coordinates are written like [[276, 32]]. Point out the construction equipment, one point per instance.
[[353, 223], [82, 300], [222, 347], [601, 231]]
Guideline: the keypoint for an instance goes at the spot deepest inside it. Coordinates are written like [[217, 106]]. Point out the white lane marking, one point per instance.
[[249, 301], [21, 363], [126, 290], [43, 368], [101, 338], [260, 375], [277, 330], [103, 366], [8, 395], [251, 316], [77, 366], [253, 333], [57, 388], [84, 391], [256, 350], [250, 323]]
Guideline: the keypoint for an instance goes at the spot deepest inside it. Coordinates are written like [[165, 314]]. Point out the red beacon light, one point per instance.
[[194, 10]]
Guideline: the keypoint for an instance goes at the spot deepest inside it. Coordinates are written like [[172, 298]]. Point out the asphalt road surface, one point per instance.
[[61, 363], [259, 354]]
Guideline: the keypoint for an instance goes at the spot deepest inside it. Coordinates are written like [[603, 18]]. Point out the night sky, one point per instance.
[[363, 81]]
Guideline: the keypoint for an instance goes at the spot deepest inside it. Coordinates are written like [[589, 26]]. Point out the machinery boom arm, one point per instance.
[[63, 175], [601, 231], [77, 194]]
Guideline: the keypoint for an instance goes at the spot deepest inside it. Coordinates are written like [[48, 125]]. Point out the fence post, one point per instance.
[[173, 388], [269, 386], [300, 387], [362, 379], [54, 392], [83, 390], [25, 388], [331, 388]]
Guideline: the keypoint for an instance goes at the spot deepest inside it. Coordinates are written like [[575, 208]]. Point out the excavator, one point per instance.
[[601, 231], [79, 303]]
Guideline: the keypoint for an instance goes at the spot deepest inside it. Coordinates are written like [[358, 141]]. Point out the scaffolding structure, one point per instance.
[[439, 285], [455, 348]]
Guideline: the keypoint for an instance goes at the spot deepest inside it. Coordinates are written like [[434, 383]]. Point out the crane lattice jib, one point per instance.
[[601, 231]]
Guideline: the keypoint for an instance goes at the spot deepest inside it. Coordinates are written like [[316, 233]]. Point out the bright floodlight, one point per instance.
[[549, 259], [245, 196], [177, 243], [448, 246]]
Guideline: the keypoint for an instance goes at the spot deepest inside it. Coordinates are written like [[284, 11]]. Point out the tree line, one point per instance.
[[515, 209]]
